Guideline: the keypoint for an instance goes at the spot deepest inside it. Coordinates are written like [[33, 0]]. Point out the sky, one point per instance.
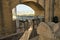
[[23, 10]]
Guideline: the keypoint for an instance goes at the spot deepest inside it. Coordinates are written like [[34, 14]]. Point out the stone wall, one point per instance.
[[7, 17], [0, 20], [57, 8]]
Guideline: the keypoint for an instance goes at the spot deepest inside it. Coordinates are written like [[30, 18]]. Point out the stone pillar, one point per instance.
[[59, 11], [7, 15], [0, 19], [0, 22], [46, 10], [57, 8], [51, 10]]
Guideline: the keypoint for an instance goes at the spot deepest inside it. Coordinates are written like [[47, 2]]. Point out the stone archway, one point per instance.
[[36, 7], [39, 10], [7, 13], [22, 10]]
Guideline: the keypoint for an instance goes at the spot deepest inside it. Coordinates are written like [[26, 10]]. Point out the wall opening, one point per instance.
[[22, 11]]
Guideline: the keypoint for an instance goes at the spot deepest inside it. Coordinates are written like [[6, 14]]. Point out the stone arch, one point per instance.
[[39, 10], [22, 10]]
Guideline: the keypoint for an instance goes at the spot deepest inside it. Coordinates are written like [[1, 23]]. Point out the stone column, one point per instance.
[[0, 19], [7, 15], [46, 10], [57, 8], [51, 10]]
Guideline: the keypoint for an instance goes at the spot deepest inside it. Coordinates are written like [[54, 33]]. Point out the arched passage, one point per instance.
[[27, 9], [22, 10], [39, 10]]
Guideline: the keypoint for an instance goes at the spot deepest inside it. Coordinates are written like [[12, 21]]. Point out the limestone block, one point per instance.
[[44, 32], [56, 27], [51, 25]]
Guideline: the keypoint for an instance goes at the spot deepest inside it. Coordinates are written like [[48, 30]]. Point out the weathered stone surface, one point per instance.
[[57, 9], [56, 27], [51, 25], [7, 16], [0, 21], [47, 11], [44, 32], [14, 3]]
